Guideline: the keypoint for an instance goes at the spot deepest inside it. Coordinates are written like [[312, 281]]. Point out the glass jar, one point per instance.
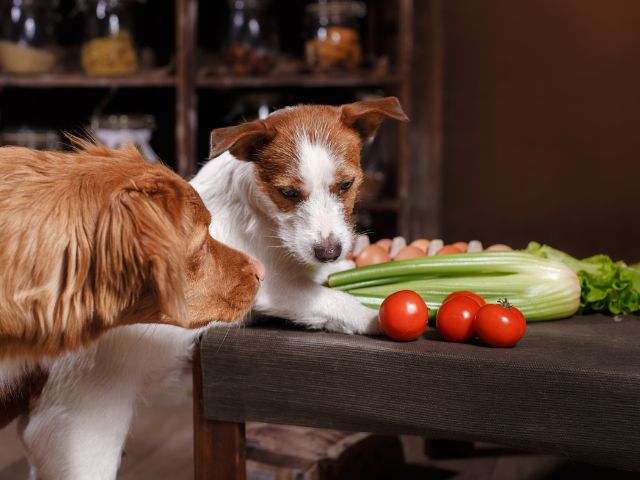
[[37, 138], [28, 43], [252, 42], [116, 131], [252, 106], [333, 35], [109, 47]]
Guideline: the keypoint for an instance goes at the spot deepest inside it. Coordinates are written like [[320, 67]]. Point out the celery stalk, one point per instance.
[[542, 289]]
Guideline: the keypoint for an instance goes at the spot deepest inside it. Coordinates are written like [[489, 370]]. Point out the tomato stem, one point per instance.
[[504, 303]]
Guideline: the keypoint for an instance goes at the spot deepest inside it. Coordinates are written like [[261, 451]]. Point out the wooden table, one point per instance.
[[570, 387]]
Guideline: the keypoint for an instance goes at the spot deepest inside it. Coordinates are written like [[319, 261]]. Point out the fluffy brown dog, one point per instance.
[[99, 238]]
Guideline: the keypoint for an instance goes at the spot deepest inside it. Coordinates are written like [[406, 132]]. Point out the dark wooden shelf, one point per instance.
[[195, 70], [362, 79], [79, 80]]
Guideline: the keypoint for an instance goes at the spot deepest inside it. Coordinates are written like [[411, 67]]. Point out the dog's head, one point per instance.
[[98, 238], [154, 250], [307, 169]]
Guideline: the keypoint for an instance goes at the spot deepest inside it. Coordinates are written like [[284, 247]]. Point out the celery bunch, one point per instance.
[[607, 286], [542, 289]]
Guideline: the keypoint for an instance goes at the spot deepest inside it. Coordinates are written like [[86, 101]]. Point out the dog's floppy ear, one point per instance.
[[366, 116], [140, 243], [242, 140]]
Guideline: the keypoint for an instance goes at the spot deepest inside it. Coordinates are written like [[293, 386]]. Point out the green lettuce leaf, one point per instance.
[[606, 286]]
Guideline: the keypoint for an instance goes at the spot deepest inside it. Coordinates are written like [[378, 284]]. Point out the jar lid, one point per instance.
[[123, 122], [330, 9], [29, 136], [243, 4], [84, 4]]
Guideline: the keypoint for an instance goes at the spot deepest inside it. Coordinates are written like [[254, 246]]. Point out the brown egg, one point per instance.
[[385, 243], [409, 252], [371, 255], [462, 246], [448, 250], [498, 247], [421, 243]]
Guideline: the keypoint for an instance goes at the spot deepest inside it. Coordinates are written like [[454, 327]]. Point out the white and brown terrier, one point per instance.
[[281, 189], [284, 189]]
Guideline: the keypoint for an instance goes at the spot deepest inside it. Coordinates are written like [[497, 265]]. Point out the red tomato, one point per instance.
[[501, 325], [466, 293], [403, 315], [455, 318]]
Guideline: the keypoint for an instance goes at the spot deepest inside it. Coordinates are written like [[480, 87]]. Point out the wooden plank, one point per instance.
[[181, 70], [78, 80], [186, 109], [227, 82], [405, 54], [428, 121], [219, 447], [435, 107]]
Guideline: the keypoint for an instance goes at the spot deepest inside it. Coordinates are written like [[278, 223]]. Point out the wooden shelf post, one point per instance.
[[405, 53], [186, 102]]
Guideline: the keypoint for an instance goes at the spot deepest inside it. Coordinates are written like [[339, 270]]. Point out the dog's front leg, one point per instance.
[[79, 442], [307, 303], [78, 426]]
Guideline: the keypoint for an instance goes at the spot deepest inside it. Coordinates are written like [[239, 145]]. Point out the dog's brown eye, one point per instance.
[[290, 193], [345, 186]]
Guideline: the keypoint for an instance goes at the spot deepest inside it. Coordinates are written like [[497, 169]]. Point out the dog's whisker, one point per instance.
[[366, 231]]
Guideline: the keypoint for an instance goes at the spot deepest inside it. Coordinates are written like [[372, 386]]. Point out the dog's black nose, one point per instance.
[[328, 250]]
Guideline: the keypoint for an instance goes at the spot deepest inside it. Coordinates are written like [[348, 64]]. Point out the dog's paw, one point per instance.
[[374, 327], [368, 327], [322, 274], [357, 319]]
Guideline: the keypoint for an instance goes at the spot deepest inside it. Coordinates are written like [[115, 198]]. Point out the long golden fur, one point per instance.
[[97, 238]]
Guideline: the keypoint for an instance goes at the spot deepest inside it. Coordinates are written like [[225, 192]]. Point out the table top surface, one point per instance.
[[595, 343]]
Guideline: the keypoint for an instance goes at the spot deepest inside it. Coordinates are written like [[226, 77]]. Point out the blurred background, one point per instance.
[[524, 126], [524, 114]]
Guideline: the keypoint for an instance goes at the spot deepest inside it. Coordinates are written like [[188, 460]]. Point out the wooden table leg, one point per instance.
[[219, 447]]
